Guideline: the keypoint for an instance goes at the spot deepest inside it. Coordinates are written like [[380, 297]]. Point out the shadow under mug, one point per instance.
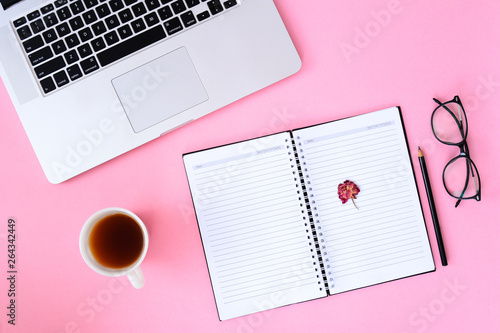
[[133, 271]]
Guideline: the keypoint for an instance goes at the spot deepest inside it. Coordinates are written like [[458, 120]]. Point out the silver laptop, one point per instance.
[[93, 79]]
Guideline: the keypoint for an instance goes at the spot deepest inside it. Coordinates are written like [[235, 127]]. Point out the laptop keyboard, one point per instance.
[[67, 40]]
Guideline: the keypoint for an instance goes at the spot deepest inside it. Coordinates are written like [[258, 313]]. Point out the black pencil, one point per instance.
[[432, 207]]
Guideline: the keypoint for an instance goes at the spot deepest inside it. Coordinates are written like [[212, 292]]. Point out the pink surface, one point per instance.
[[356, 58]]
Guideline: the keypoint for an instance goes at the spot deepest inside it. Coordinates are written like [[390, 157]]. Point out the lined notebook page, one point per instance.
[[386, 238], [252, 225]]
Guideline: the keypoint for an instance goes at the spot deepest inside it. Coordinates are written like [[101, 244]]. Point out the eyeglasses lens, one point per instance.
[[460, 178], [449, 123]]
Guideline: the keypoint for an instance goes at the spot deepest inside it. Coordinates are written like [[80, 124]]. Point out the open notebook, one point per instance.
[[274, 230]]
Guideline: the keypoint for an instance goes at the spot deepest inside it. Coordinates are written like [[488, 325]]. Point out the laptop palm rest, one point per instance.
[[159, 89]]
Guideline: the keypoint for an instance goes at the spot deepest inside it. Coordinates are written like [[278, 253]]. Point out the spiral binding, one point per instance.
[[309, 215]]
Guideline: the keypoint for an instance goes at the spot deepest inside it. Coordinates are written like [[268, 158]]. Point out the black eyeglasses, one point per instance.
[[460, 176]]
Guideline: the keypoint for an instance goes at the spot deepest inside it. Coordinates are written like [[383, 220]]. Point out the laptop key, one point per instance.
[[24, 32], [33, 15], [165, 13], [37, 26], [74, 72], [34, 43], [76, 23], [85, 34], [19, 22], [98, 44], [40, 56], [50, 19], [139, 9], [47, 85], [103, 10], [91, 3], [124, 32], [152, 4], [72, 41], [77, 7], [60, 3], [98, 28], [192, 3], [131, 45], [151, 19], [174, 25], [61, 78], [112, 22], [49, 36], [89, 65], [59, 47], [64, 13], [203, 15], [125, 15], [49, 67], [112, 37], [84, 50], [63, 29], [89, 17], [71, 57], [47, 8], [116, 5], [178, 6], [138, 25], [230, 3], [188, 19], [215, 6]]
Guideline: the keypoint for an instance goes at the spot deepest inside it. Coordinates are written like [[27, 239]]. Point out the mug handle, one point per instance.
[[136, 277]]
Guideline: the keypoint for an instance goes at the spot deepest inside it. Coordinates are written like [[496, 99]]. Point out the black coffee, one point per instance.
[[116, 241]]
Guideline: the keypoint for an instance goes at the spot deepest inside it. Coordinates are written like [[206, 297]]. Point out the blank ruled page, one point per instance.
[[252, 225], [386, 238]]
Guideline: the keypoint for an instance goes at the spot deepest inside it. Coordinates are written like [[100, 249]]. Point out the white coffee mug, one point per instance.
[[133, 271]]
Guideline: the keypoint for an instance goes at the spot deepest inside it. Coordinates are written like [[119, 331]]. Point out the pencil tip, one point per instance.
[[420, 154]]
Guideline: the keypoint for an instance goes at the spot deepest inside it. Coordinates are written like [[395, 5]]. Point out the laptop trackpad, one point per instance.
[[159, 89]]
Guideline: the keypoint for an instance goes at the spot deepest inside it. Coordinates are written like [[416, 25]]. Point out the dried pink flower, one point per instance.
[[348, 190]]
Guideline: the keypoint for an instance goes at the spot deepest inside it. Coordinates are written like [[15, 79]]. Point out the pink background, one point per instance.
[[356, 58]]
